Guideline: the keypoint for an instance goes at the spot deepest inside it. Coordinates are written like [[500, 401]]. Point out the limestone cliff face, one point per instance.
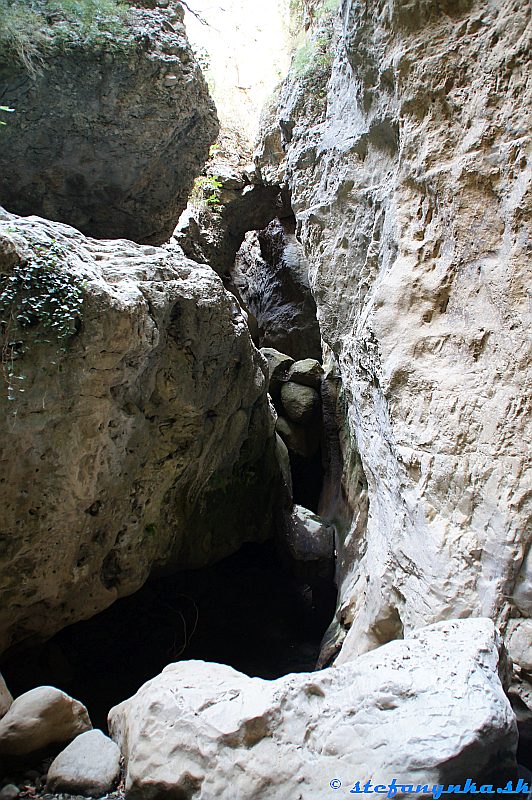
[[108, 136], [147, 444], [409, 167]]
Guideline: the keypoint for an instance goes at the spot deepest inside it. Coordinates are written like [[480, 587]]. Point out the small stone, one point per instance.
[[9, 792], [307, 372], [41, 717], [299, 402], [89, 766]]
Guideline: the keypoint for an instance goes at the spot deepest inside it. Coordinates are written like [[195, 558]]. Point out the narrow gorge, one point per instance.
[[265, 473]]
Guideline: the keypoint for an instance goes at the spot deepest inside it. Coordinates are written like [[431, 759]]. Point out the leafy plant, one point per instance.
[[39, 303], [207, 190]]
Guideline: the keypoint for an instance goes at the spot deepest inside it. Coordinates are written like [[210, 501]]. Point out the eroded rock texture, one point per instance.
[[410, 180], [109, 142], [271, 276], [429, 709], [148, 443]]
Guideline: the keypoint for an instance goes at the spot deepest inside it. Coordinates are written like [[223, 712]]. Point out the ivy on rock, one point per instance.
[[40, 303]]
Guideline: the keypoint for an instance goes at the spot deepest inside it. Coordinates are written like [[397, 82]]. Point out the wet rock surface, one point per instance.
[[109, 142]]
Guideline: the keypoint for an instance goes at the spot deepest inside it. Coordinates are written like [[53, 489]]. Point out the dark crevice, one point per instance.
[[247, 611]]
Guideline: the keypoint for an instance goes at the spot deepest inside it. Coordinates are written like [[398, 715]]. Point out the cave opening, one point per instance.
[[247, 611]]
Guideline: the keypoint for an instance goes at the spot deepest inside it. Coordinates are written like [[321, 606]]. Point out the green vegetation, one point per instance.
[[30, 28], [313, 55], [206, 190], [39, 303]]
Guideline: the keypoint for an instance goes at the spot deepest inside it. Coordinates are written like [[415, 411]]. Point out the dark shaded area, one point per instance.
[[245, 611], [307, 479]]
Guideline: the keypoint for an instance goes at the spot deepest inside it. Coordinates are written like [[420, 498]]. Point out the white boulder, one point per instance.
[[90, 766], [39, 718], [423, 710]]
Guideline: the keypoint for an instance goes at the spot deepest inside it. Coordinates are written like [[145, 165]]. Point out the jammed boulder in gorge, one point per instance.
[[404, 146], [205, 730], [301, 403], [271, 276], [307, 372], [111, 124], [227, 201], [136, 404], [279, 365], [39, 718]]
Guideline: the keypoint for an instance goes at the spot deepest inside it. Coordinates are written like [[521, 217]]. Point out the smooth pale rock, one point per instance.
[[90, 766], [149, 441], [41, 717], [121, 166], [421, 710], [307, 372], [300, 402], [6, 700], [299, 440], [411, 183]]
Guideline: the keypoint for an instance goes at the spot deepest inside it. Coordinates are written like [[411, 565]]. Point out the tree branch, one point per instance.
[[195, 13]]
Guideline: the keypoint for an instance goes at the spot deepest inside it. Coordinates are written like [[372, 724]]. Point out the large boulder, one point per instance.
[[406, 149], [109, 131], [307, 372], [39, 718], [300, 402], [429, 709], [141, 425], [90, 766]]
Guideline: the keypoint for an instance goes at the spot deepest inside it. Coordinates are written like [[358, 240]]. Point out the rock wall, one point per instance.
[[109, 137], [409, 168], [147, 444]]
